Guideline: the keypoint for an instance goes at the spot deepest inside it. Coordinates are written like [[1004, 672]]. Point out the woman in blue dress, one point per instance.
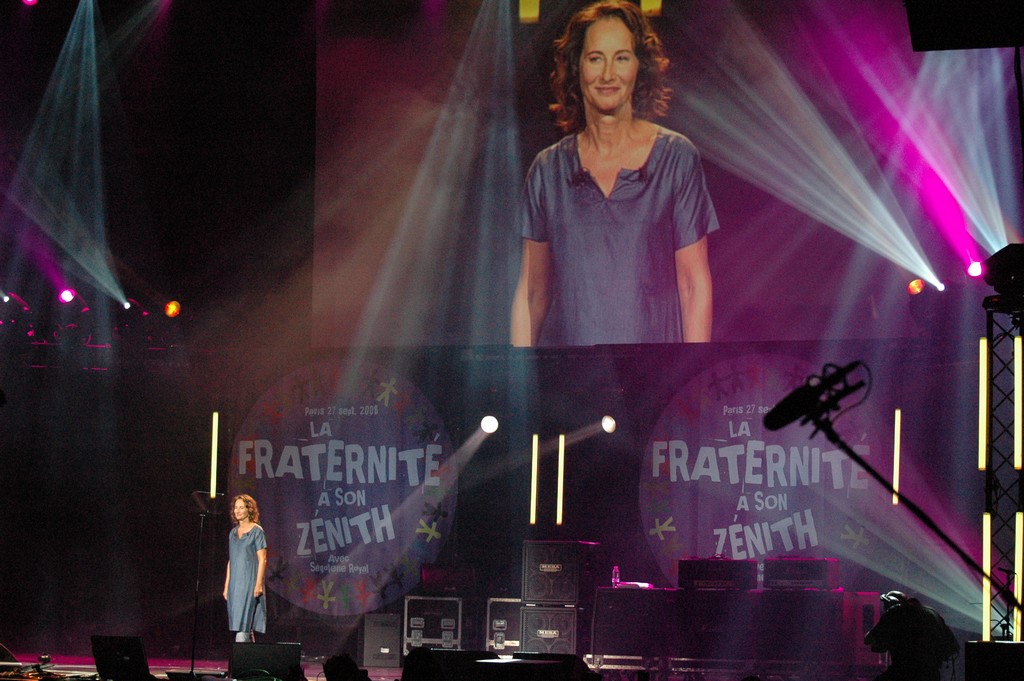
[[247, 568], [614, 217]]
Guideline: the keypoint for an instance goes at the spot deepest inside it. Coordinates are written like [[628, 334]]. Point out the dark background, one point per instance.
[[210, 163]]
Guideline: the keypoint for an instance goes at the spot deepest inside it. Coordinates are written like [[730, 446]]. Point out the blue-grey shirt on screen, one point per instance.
[[613, 259]]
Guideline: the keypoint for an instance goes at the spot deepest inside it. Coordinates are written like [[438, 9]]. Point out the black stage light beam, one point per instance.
[[1004, 270], [964, 24]]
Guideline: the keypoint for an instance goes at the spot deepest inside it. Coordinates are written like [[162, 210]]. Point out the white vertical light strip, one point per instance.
[[561, 479], [1018, 571], [983, 405], [986, 584], [1018, 398], [533, 479], [897, 427], [213, 454]]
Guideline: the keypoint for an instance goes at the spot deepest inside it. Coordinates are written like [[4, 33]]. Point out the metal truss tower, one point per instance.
[[1000, 440]]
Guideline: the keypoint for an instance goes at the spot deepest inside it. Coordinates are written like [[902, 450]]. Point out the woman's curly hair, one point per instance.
[[250, 506], [650, 96]]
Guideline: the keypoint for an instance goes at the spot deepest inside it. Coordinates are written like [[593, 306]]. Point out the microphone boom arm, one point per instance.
[[820, 418]]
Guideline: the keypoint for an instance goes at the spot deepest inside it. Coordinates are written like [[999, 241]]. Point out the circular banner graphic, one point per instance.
[[716, 483], [354, 476]]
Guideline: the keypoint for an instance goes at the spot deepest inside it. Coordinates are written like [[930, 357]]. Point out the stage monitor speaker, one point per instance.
[[965, 24], [993, 661], [436, 664], [265, 659], [380, 640], [548, 630], [572, 667], [559, 571]]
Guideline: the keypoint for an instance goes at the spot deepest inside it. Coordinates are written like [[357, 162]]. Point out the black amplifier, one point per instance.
[[717, 573], [801, 573]]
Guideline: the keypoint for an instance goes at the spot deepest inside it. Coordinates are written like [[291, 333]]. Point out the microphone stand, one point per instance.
[[206, 506], [822, 422]]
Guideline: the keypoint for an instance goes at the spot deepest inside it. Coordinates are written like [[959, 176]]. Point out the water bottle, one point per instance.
[[615, 576]]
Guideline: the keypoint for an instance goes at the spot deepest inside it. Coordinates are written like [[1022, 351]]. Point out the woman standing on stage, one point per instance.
[[247, 567]]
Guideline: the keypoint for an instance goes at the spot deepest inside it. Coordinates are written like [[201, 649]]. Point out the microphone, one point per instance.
[[807, 400]]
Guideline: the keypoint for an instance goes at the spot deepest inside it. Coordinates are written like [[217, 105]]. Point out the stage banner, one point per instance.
[[716, 483], [354, 476]]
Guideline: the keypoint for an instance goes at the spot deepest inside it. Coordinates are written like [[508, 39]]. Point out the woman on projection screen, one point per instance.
[[615, 216]]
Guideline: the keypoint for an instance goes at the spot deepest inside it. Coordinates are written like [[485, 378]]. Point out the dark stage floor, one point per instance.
[[611, 669], [74, 667]]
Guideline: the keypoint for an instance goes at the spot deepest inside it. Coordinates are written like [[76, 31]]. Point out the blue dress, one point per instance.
[[613, 275], [244, 565]]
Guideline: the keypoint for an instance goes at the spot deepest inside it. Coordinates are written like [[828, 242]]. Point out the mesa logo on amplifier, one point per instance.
[[559, 571], [801, 573], [549, 630]]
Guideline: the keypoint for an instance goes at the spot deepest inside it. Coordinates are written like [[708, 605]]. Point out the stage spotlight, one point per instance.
[[488, 424], [67, 295], [29, 2], [172, 309], [1004, 270], [974, 269], [915, 287], [130, 303], [6, 298], [10, 295], [608, 424]]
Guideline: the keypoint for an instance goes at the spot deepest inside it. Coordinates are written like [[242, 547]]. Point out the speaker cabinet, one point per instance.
[[799, 625], [380, 640], [636, 622], [548, 630], [993, 661], [504, 625], [559, 572], [861, 611], [432, 623]]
